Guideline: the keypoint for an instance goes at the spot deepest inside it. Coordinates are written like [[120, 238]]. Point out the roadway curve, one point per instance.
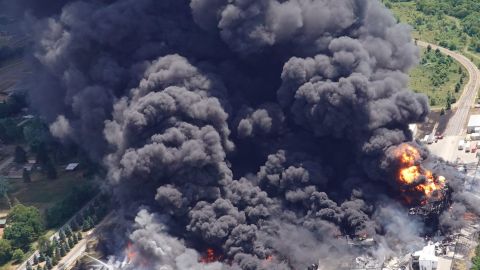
[[467, 99]]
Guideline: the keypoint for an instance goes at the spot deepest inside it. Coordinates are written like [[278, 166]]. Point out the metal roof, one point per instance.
[[71, 166], [474, 120]]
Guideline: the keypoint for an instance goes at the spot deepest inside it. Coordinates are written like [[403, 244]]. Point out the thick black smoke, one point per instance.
[[262, 129]]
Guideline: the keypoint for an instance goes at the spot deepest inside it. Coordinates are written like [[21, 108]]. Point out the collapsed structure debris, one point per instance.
[[444, 254], [254, 127], [431, 209]]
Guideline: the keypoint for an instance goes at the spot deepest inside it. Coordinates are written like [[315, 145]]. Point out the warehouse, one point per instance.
[[473, 123]]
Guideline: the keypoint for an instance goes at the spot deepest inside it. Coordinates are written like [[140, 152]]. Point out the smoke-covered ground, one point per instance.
[[265, 130]]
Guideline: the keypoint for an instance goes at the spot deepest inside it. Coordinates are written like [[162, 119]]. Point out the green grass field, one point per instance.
[[425, 79], [437, 29], [430, 28], [440, 29], [43, 193]]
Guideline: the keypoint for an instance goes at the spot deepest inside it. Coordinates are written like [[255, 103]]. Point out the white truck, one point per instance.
[[467, 147], [461, 143]]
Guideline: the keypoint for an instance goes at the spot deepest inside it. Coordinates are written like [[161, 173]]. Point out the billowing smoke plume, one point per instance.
[[263, 130]]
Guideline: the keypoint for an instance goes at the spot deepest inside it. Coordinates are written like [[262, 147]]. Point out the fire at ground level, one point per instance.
[[429, 195], [440, 252]]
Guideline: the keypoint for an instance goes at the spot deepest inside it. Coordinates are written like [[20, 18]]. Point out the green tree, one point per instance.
[[24, 225], [29, 215], [457, 87], [71, 242], [75, 238], [41, 257], [20, 155], [9, 132], [48, 263], [26, 176], [448, 106], [68, 231], [20, 235], [476, 259], [36, 135], [18, 255], [4, 188], [66, 208], [86, 225], [63, 251], [5, 251], [62, 236], [56, 258], [50, 170], [43, 244], [75, 226]]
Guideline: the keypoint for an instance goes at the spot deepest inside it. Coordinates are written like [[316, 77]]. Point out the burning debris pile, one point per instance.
[[414, 178], [427, 194], [264, 131]]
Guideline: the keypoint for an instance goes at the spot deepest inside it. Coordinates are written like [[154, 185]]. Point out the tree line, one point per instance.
[[25, 225]]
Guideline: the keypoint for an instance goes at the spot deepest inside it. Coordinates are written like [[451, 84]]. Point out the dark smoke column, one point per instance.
[[258, 129]]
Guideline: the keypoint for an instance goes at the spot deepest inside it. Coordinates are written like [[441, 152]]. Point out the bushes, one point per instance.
[[63, 210], [467, 11], [476, 259], [18, 255], [24, 226], [5, 251], [440, 65], [53, 251]]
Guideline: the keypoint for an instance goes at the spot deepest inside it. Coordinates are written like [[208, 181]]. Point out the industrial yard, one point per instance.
[[239, 135]]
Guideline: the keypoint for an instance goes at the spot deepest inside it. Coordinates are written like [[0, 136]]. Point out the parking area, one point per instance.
[[447, 149]]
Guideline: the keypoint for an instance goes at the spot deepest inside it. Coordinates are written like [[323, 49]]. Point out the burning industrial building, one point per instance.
[[241, 134]]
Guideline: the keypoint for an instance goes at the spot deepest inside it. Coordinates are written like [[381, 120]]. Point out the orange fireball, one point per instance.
[[210, 257], [411, 171]]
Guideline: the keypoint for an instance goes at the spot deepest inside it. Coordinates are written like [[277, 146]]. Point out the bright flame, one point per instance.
[[130, 252], [410, 171], [210, 256]]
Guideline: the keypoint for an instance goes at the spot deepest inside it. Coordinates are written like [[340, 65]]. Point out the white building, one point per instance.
[[427, 259], [413, 128], [473, 122]]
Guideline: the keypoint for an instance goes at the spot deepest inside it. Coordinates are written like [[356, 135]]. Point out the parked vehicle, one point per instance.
[[467, 147], [461, 143], [473, 147]]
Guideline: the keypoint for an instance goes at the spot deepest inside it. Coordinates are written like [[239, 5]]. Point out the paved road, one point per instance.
[[466, 101], [73, 255], [57, 234], [79, 250]]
